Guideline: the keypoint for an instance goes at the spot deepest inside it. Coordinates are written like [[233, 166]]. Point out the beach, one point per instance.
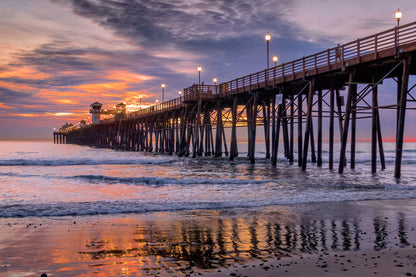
[[349, 238]]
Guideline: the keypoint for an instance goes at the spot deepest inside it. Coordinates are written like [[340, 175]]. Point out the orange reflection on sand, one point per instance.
[[173, 243]]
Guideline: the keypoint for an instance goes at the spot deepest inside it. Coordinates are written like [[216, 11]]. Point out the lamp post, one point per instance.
[[163, 92], [215, 80], [398, 16], [275, 59], [140, 97], [180, 95], [267, 38], [199, 74]]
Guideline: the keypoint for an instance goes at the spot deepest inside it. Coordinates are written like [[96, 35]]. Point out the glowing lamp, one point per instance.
[[398, 14], [267, 37]]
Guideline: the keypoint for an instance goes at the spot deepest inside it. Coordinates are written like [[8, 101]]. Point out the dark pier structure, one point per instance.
[[290, 103]]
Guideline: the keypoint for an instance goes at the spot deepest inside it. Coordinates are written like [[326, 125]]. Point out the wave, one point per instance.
[[165, 181], [136, 207], [74, 162]]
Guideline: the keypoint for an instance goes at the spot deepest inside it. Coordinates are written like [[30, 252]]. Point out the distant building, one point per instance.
[[82, 123], [95, 112], [120, 111]]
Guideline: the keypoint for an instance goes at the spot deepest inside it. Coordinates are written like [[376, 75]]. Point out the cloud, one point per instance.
[[179, 22]]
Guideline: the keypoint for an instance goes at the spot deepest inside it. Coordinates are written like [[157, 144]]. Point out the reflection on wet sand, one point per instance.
[[220, 242], [177, 243]]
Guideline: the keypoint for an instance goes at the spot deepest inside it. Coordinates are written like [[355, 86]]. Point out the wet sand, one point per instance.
[[366, 238]]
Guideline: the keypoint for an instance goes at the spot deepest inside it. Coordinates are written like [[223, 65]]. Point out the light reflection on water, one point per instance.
[[177, 242]]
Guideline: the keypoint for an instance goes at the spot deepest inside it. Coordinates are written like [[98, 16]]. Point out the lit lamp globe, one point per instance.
[[398, 16], [215, 80], [267, 37], [199, 74], [275, 60]]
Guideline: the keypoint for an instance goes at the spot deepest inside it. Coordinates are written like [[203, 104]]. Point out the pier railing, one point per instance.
[[340, 55]]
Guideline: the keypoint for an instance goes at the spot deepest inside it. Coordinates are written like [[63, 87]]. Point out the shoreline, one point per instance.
[[256, 242]]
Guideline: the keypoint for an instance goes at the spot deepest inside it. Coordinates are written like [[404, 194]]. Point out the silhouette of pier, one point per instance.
[[291, 101]]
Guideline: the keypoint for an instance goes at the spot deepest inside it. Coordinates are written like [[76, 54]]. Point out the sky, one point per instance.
[[59, 56]]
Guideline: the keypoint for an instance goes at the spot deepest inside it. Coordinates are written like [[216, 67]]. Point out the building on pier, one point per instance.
[[95, 112]]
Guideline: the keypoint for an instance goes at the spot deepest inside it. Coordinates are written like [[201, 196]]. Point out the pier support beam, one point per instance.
[[291, 124], [401, 119], [277, 134], [266, 123], [300, 129], [252, 145], [331, 128], [218, 135], [352, 89], [353, 125], [374, 129], [234, 150], [319, 162], [308, 124]]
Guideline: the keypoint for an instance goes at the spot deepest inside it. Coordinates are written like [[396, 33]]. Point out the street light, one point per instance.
[[163, 93], [140, 97], [398, 16], [215, 80], [199, 74], [180, 95], [267, 38], [275, 59]]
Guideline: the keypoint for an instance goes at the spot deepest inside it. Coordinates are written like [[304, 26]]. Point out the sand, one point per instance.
[[366, 238], [397, 262]]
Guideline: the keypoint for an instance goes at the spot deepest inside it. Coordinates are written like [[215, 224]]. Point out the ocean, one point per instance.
[[42, 179], [69, 210]]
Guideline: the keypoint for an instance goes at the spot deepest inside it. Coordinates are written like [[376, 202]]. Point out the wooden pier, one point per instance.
[[290, 102]]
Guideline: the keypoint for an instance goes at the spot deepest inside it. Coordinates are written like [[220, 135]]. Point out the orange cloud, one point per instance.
[[103, 87], [66, 101], [25, 72], [4, 106], [128, 76], [25, 114]]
